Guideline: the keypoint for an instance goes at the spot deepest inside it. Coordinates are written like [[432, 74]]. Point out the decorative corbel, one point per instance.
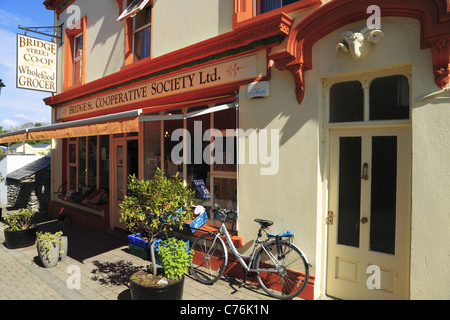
[[285, 60], [440, 52], [298, 72]]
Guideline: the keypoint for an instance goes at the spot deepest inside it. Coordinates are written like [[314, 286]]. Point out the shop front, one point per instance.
[[185, 122]]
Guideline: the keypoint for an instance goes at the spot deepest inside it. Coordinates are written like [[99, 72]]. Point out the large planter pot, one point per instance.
[[172, 291], [64, 246], [49, 257], [20, 238]]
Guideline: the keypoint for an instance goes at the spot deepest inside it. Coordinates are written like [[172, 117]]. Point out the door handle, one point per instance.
[[365, 170], [364, 220]]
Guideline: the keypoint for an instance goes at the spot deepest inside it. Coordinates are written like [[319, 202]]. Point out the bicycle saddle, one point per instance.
[[264, 223]]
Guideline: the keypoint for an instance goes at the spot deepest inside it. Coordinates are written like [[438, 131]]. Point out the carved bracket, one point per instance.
[[434, 16], [440, 52]]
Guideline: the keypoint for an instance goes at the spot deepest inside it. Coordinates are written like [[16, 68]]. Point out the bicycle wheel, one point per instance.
[[287, 280], [210, 258]]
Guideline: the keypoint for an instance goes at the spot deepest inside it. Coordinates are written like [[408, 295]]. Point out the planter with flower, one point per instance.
[[51, 247], [19, 230], [154, 208]]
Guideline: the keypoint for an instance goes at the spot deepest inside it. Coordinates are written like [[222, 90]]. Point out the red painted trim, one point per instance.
[[271, 26], [434, 17]]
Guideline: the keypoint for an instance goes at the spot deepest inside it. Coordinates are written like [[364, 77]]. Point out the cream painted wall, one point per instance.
[[192, 21], [105, 41], [289, 197], [429, 275]]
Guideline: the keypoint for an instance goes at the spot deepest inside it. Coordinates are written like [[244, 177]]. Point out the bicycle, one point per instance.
[[281, 268]]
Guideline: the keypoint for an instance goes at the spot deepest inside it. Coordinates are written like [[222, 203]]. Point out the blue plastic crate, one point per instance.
[[137, 240], [197, 223]]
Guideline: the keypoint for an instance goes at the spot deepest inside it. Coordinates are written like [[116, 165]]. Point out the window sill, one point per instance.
[[97, 207]]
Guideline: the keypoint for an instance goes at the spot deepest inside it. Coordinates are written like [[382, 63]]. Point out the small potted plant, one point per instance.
[[176, 258], [50, 247], [19, 230], [155, 207]]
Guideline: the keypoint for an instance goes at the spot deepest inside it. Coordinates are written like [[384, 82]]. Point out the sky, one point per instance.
[[19, 106]]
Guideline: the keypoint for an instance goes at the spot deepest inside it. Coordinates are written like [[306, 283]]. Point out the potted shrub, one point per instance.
[[50, 246], [168, 285], [19, 230], [155, 207]]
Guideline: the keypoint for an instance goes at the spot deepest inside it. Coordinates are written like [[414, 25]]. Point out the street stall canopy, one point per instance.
[[123, 122]]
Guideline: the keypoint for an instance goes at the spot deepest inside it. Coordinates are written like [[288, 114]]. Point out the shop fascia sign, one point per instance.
[[36, 64], [197, 79]]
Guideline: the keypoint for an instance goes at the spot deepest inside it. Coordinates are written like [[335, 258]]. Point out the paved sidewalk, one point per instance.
[[104, 266]]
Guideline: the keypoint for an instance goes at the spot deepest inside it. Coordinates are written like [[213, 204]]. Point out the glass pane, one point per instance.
[[104, 163], [349, 190], [384, 188], [81, 162], [225, 147], [72, 153], [389, 98], [119, 170], [142, 43], [78, 52], [72, 178], [173, 163], [197, 168], [152, 148], [268, 5], [225, 193], [133, 157], [346, 102], [143, 17], [92, 162]]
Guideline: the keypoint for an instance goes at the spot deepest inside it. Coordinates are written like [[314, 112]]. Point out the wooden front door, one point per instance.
[[369, 211]]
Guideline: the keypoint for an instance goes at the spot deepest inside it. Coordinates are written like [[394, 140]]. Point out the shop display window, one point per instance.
[[201, 148], [87, 166]]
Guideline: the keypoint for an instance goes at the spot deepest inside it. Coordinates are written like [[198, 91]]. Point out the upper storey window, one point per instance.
[[141, 12], [263, 6], [142, 34], [78, 59], [75, 54]]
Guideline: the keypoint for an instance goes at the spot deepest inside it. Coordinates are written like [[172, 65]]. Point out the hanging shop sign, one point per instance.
[[36, 64], [201, 78]]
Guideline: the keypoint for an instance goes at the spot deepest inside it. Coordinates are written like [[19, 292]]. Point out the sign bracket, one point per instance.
[[57, 31]]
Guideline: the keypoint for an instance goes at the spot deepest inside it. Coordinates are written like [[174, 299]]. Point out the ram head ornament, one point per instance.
[[358, 44]]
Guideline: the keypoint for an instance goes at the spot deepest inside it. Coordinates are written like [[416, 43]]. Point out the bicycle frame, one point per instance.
[[223, 230]]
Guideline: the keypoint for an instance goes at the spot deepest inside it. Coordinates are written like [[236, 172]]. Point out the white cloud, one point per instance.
[[9, 124], [9, 19]]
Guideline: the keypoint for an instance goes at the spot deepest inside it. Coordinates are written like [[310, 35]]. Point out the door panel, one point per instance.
[[368, 241]]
